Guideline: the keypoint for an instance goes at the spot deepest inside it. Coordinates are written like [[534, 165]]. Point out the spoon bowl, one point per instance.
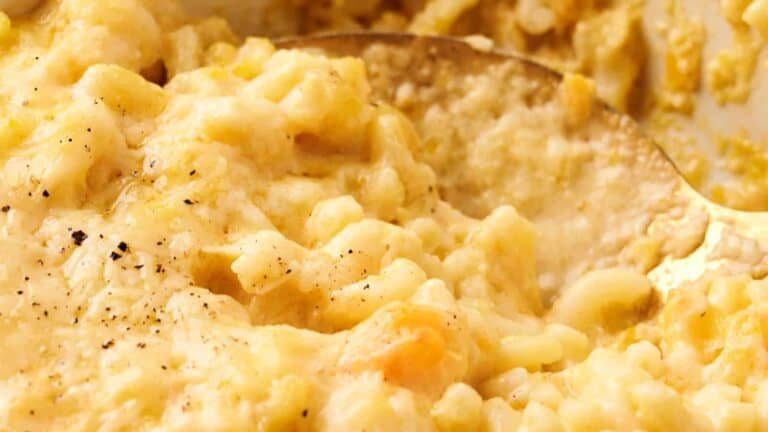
[[500, 129]]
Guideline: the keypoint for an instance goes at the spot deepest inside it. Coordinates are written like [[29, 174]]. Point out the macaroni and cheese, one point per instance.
[[202, 233]]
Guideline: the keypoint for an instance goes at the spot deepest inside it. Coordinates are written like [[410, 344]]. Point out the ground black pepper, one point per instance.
[[79, 237]]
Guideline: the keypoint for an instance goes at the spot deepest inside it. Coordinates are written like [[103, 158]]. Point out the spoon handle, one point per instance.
[[730, 242]]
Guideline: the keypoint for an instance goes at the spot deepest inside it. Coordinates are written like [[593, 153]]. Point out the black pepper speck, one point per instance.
[[79, 237]]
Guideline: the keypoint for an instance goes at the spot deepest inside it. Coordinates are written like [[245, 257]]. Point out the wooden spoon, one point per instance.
[[499, 129]]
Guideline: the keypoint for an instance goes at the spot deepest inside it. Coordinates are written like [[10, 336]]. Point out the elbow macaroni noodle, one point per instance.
[[254, 246]]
